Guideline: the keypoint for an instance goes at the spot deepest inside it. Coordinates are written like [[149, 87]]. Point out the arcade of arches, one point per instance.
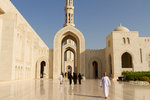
[[69, 63], [69, 48]]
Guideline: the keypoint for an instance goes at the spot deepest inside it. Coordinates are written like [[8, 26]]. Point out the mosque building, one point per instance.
[[24, 55]]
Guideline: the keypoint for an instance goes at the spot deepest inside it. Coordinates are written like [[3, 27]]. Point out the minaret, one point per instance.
[[69, 13]]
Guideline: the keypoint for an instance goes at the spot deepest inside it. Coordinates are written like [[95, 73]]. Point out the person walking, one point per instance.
[[60, 78], [79, 77], [70, 78], [105, 84], [75, 78]]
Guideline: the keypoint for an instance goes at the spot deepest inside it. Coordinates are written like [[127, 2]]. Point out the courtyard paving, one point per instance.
[[52, 90]]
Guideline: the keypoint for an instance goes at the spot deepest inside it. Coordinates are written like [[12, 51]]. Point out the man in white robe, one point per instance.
[[105, 83], [60, 78]]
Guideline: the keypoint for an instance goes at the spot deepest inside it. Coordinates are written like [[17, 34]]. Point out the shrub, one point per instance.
[[129, 77], [145, 76]]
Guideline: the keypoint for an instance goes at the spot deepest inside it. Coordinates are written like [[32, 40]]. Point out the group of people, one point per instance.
[[70, 77], [104, 83]]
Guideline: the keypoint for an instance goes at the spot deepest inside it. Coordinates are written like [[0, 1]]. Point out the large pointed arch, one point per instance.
[[68, 32], [126, 60], [38, 67], [90, 65], [73, 50]]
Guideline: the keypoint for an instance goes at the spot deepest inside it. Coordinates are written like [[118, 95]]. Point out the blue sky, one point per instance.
[[94, 18]]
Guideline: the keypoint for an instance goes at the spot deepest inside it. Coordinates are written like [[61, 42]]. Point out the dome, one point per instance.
[[121, 28]]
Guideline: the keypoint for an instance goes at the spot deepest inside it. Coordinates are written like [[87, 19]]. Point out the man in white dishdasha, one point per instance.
[[105, 83], [60, 78]]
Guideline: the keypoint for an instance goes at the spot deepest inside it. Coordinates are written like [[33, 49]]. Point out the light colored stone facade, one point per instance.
[[92, 56], [23, 55], [121, 41], [20, 46]]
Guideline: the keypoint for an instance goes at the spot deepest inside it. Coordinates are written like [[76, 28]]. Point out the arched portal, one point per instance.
[[95, 69], [126, 60], [42, 68], [69, 60], [69, 50], [43, 64], [75, 35]]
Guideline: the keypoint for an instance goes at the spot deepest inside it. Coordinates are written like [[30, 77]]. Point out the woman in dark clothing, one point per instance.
[[70, 78], [79, 77], [75, 78]]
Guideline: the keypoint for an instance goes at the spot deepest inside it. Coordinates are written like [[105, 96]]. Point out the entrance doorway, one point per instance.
[[95, 69], [72, 39], [126, 60], [69, 56], [42, 69], [110, 65], [43, 64]]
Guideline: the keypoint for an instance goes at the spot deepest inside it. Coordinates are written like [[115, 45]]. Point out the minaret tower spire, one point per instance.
[[69, 13]]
